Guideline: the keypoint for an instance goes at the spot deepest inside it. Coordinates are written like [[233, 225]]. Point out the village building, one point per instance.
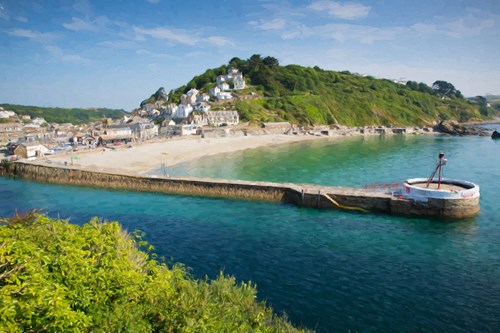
[[38, 121], [118, 130], [203, 107], [214, 91], [10, 131], [239, 82], [224, 86], [6, 114], [202, 98], [218, 118], [29, 150], [144, 130], [115, 134], [83, 139], [183, 111], [184, 129], [224, 96]]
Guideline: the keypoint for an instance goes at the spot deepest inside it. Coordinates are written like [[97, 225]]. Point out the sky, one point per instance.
[[116, 53]]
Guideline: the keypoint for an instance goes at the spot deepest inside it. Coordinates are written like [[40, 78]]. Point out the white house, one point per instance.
[[171, 130], [224, 95], [7, 114], [224, 86], [202, 98], [203, 106], [220, 79], [218, 118], [27, 150], [144, 130], [214, 91], [118, 130], [38, 121], [183, 111], [239, 82]]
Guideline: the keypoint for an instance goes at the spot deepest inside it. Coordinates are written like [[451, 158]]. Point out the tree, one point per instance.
[[446, 89], [254, 63], [237, 62], [270, 61]]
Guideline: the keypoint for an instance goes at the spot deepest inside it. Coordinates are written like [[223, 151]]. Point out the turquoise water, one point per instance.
[[328, 270]]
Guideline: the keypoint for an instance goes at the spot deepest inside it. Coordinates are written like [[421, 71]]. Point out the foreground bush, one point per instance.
[[60, 277]]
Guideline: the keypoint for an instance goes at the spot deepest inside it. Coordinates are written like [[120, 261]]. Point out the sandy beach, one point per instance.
[[142, 158]]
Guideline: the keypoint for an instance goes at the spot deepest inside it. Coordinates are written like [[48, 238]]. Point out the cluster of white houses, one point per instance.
[[195, 106]]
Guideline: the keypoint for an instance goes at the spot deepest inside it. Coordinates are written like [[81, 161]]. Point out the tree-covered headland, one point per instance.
[[61, 277], [65, 115], [311, 95]]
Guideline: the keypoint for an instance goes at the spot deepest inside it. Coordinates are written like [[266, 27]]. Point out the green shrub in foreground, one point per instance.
[[60, 277]]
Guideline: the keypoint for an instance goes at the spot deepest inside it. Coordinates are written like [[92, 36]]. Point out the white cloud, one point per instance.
[[118, 44], [59, 54], [347, 11], [458, 29], [21, 19], [219, 41], [42, 37], [180, 36], [142, 52], [345, 32], [170, 35], [472, 24], [78, 24], [275, 24], [82, 6]]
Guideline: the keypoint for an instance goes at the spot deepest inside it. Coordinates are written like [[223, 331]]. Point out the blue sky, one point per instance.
[[115, 53]]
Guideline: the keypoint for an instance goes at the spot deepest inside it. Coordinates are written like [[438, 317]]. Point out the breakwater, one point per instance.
[[304, 195]]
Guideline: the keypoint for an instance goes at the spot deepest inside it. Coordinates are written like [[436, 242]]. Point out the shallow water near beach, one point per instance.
[[327, 270]]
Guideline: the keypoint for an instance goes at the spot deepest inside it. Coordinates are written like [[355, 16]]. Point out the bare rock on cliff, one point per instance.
[[454, 128]]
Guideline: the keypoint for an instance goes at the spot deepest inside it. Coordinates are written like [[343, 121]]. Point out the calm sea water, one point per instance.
[[328, 270]]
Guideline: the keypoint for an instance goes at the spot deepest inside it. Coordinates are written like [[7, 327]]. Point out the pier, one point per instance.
[[302, 195]]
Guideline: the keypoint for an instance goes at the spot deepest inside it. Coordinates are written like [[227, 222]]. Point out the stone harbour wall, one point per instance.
[[302, 195]]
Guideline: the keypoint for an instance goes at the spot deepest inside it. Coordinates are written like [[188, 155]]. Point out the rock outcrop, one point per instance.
[[454, 128], [495, 135]]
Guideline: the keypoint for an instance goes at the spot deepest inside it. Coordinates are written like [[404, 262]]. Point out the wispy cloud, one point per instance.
[[345, 32], [143, 52], [21, 19], [154, 2], [346, 11], [118, 44], [466, 26], [3, 13], [275, 24], [180, 36], [42, 37], [59, 54], [82, 6], [78, 24], [219, 41], [170, 35]]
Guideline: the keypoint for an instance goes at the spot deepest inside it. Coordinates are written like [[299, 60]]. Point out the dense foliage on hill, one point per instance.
[[159, 95], [311, 95], [61, 277], [65, 115]]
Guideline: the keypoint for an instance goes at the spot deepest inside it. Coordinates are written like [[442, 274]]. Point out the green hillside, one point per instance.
[[311, 95], [65, 115]]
